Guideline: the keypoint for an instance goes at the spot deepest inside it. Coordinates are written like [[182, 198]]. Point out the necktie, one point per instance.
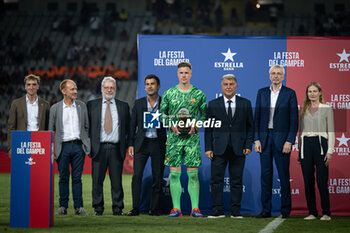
[[229, 114], [229, 110], [108, 119]]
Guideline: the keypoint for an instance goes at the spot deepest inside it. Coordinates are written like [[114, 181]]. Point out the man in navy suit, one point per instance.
[[228, 144], [276, 125], [144, 143]]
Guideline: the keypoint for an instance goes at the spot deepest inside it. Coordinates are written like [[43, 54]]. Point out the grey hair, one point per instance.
[[228, 77], [279, 67], [108, 79]]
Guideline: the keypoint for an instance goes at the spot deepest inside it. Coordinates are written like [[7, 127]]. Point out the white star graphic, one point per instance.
[[343, 140], [30, 161], [167, 180], [343, 56], [228, 55], [156, 115]]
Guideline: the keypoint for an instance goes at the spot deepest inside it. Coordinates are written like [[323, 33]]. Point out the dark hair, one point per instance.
[[152, 76], [184, 64]]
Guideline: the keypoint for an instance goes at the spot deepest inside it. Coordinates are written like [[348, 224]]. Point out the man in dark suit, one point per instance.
[[228, 144], [30, 112], [69, 121], [276, 125], [144, 143], [109, 126]]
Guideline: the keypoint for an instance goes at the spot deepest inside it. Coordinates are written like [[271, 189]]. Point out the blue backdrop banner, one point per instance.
[[249, 59]]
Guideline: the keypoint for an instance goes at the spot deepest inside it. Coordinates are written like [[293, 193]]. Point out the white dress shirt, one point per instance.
[[273, 101], [233, 104], [70, 122], [32, 114], [114, 136]]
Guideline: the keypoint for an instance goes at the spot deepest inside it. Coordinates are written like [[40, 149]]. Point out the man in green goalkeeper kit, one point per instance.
[[180, 109]]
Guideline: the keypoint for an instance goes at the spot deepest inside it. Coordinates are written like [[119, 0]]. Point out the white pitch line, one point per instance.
[[272, 225]]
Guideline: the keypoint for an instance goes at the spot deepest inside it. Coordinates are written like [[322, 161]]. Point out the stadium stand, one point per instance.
[[89, 40]]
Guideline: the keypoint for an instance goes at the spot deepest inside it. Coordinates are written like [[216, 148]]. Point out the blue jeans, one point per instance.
[[71, 154]]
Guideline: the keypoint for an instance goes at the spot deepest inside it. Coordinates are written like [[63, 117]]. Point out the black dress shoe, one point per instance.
[[217, 214], [263, 215], [133, 212], [153, 213], [98, 213], [119, 213], [285, 216]]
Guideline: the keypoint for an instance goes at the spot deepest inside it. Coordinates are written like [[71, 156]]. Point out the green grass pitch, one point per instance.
[[145, 223]]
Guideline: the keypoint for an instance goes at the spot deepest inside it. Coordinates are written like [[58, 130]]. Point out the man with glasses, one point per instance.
[[109, 126], [276, 125]]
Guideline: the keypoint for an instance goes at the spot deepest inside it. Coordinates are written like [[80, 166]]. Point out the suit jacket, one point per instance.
[[55, 124], [240, 127], [285, 119], [95, 113], [137, 132], [18, 119]]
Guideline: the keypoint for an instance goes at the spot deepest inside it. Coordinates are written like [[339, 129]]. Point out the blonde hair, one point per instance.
[[307, 101], [32, 77]]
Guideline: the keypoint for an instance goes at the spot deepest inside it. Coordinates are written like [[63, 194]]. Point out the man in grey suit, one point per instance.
[[69, 120], [29, 112], [109, 126]]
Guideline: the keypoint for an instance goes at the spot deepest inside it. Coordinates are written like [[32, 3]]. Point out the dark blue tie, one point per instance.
[[229, 114]]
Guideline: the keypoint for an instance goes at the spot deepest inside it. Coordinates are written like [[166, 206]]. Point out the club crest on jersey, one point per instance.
[[193, 100]]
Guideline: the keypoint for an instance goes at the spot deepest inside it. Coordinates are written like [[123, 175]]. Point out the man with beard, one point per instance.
[[147, 142], [69, 121], [109, 121]]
